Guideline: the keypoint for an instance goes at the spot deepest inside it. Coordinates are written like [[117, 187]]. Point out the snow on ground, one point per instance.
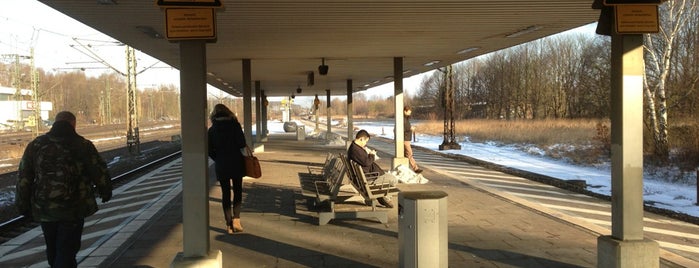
[[677, 197]]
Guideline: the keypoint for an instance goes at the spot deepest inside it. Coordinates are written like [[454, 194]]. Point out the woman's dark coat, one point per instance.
[[226, 138]]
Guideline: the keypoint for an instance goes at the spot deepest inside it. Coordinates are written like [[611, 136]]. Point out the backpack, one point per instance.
[[57, 172]]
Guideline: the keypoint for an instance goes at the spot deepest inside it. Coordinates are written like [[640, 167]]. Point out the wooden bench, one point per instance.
[[320, 170], [370, 192], [319, 187]]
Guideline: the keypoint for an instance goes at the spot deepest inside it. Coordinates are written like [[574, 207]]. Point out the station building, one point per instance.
[[17, 109]]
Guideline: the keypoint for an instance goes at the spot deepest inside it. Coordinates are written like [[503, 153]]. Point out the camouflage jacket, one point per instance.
[[57, 185]]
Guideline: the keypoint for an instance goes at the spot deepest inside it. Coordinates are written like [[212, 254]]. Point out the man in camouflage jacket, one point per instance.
[[55, 187]]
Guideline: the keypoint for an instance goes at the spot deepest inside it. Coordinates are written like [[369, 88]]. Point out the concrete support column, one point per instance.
[[195, 194], [350, 113], [626, 247], [264, 116], [398, 101], [258, 112], [329, 112], [247, 101]]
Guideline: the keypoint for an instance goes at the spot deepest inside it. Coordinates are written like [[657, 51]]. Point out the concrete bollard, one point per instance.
[[300, 133], [422, 229]]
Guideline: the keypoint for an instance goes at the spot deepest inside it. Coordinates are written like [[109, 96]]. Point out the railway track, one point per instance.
[[17, 225], [156, 143]]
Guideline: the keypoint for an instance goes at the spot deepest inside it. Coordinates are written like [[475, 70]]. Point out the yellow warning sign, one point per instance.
[[636, 19], [190, 23]]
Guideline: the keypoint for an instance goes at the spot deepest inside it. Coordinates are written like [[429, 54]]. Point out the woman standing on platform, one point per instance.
[[226, 139]]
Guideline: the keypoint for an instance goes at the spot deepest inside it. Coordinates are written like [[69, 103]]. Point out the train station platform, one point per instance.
[[484, 230]]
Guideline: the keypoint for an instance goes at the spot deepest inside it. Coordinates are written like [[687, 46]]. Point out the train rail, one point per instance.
[[115, 181]]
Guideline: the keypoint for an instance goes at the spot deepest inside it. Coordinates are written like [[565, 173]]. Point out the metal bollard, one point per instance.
[[422, 229]]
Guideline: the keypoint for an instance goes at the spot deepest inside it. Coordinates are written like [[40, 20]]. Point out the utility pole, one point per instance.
[[133, 141], [17, 83], [35, 93], [106, 104], [132, 132], [449, 141], [18, 123]]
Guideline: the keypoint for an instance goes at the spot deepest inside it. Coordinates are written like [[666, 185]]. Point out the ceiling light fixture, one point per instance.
[[106, 2], [467, 50], [298, 90], [150, 32], [322, 68], [524, 31], [431, 63]]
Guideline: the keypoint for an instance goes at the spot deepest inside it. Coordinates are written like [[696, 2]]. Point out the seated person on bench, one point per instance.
[[358, 153]]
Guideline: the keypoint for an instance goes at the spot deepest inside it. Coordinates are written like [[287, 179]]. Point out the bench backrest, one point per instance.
[[352, 176], [359, 180], [335, 175]]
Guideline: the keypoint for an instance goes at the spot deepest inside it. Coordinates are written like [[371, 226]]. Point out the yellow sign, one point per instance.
[[190, 23], [636, 19]]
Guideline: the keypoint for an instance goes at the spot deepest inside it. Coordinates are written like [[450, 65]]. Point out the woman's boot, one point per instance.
[[228, 218], [237, 227]]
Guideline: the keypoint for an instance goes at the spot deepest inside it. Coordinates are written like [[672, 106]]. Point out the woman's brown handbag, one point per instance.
[[252, 165]]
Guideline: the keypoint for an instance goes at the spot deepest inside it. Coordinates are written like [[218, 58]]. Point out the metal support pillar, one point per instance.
[[247, 102], [328, 110], [399, 158], [195, 195], [316, 115], [258, 112], [263, 112], [627, 247], [350, 114]]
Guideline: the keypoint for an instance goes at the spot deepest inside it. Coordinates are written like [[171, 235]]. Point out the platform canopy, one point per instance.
[[288, 39]]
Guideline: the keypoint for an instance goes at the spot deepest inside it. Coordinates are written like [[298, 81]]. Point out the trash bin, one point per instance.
[[422, 229], [290, 126], [300, 133]]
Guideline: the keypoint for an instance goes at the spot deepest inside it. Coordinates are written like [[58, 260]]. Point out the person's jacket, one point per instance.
[[358, 154], [41, 197], [407, 129], [226, 138]]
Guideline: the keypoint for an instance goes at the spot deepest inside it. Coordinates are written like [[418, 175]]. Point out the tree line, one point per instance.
[[568, 77], [98, 100]]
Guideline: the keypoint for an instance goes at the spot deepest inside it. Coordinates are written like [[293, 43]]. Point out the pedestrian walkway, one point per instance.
[[484, 229]]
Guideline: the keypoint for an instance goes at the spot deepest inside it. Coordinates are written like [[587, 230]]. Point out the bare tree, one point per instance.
[[659, 50]]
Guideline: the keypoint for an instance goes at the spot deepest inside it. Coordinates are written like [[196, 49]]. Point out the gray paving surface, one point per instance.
[[484, 229]]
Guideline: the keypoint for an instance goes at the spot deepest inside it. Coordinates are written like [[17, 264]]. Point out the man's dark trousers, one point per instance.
[[62, 242]]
